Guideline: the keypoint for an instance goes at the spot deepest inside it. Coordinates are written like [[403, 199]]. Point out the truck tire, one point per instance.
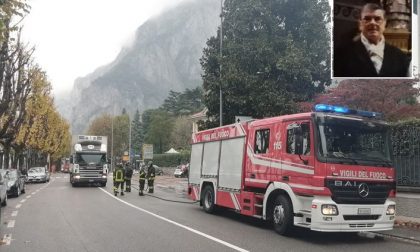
[[208, 199], [103, 184], [282, 215]]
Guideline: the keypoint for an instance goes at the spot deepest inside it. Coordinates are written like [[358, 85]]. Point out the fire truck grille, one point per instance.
[[348, 192], [91, 173]]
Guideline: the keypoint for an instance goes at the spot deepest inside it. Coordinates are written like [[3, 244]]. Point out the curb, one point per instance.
[[396, 237], [407, 224]]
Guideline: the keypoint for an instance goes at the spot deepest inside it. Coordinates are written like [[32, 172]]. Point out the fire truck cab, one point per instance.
[[328, 170]]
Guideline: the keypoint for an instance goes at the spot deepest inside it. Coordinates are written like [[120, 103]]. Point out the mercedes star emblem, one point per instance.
[[363, 190]]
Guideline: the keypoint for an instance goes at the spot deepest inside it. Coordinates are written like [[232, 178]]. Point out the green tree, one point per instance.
[[102, 126], [159, 131], [121, 133], [137, 137], [275, 54], [180, 138], [188, 102]]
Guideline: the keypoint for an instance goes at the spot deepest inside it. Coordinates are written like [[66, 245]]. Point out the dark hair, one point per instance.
[[371, 7]]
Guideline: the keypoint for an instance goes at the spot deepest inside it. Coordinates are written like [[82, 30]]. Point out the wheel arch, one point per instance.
[[203, 185], [275, 189]]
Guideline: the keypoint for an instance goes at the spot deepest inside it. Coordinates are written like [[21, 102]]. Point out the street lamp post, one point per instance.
[[220, 65]]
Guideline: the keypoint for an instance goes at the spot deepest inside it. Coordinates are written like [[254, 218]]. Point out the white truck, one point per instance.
[[89, 161]]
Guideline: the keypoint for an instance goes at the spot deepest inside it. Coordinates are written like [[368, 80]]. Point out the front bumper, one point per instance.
[[36, 179], [349, 219], [89, 180]]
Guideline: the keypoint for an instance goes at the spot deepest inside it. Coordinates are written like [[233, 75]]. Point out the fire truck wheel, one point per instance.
[[208, 199], [282, 215]]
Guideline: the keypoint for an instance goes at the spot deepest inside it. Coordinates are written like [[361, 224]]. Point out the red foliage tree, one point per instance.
[[396, 99]]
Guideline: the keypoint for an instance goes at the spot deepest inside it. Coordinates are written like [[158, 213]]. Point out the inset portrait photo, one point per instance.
[[372, 39]]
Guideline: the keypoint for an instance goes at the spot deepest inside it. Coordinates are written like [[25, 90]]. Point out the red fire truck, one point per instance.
[[328, 170]]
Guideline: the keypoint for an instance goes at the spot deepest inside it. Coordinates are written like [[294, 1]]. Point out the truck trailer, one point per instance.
[[328, 170], [89, 161]]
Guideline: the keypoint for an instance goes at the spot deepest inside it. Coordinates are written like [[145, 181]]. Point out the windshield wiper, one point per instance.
[[382, 162], [341, 159]]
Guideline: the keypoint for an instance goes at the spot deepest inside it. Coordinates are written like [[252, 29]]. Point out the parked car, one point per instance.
[[38, 174], [16, 184], [181, 171], [158, 170], [4, 179]]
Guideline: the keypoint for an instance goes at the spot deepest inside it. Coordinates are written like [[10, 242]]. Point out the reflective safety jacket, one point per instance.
[[151, 173], [142, 174], [119, 175]]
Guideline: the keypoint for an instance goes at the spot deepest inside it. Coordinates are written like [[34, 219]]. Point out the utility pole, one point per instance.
[[129, 139], [112, 136], [220, 64]]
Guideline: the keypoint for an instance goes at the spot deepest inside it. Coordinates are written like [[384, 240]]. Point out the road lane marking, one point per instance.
[[18, 205], [22, 201], [28, 196], [33, 193], [14, 213], [7, 238], [178, 224], [11, 224]]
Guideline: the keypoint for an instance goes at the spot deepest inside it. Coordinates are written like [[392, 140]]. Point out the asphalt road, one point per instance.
[[57, 217]]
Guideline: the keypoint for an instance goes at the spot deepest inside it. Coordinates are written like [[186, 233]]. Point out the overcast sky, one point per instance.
[[74, 37]]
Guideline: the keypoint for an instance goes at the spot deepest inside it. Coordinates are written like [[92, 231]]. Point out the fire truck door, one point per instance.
[[261, 152], [298, 170]]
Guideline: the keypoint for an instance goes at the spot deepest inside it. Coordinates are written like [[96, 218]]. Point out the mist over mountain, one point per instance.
[[164, 56]]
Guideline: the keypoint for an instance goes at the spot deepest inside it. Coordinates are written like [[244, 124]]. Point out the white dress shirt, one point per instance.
[[376, 52]]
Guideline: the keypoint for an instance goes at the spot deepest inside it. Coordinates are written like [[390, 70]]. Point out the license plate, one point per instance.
[[91, 180], [363, 211]]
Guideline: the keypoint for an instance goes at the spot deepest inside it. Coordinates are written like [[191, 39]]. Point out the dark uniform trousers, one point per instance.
[[119, 181], [127, 184], [150, 182], [142, 181]]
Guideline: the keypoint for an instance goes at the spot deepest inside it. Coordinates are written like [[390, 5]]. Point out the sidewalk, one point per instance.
[[407, 222]]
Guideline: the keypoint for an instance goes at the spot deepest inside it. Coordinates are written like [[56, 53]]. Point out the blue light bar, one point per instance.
[[345, 110], [331, 108]]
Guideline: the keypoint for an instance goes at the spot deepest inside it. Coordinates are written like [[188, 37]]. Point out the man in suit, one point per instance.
[[368, 55]]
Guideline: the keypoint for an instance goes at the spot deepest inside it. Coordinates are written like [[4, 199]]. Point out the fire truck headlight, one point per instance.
[[390, 210], [329, 209]]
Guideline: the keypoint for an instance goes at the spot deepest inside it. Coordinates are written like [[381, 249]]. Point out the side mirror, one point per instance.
[[298, 141]]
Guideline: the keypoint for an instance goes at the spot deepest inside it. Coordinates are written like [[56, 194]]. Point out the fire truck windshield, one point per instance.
[[89, 158], [355, 141]]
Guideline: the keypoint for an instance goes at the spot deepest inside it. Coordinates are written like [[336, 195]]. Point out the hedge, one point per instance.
[[169, 160], [405, 138]]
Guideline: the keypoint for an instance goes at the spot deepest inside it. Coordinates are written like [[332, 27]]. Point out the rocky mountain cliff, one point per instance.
[[164, 56]]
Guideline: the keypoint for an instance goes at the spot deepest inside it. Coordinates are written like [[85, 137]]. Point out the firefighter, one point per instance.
[[118, 176], [151, 173], [142, 180], [127, 177]]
